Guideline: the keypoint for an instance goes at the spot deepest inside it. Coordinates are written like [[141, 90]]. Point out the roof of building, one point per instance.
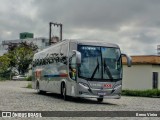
[[144, 59]]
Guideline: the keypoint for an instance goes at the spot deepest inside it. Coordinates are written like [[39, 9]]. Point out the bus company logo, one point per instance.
[[107, 85]]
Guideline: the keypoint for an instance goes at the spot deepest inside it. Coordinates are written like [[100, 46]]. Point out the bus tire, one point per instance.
[[64, 92], [38, 89], [100, 99]]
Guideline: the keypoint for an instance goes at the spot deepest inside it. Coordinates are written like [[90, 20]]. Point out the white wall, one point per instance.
[[137, 77]]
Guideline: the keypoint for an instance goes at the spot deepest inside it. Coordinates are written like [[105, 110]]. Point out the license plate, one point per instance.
[[101, 93], [107, 85]]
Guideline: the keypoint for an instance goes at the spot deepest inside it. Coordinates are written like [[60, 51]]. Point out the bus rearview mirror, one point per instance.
[[129, 59], [78, 56]]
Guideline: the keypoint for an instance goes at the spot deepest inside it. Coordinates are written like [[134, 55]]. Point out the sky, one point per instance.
[[132, 24]]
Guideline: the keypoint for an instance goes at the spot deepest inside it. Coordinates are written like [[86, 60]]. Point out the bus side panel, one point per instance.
[[38, 77], [58, 70], [56, 73], [71, 87]]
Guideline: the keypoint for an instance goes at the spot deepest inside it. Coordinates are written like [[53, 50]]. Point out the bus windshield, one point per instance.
[[100, 63]]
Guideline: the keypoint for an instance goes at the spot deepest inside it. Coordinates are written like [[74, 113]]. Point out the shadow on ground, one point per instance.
[[76, 100]]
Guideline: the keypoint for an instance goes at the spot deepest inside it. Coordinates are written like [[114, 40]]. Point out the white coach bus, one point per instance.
[[79, 68]]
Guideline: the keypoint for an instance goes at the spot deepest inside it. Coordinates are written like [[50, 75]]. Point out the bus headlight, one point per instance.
[[117, 87], [84, 85]]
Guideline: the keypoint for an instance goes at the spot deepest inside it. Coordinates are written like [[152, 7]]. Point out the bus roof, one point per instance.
[[94, 42], [82, 42]]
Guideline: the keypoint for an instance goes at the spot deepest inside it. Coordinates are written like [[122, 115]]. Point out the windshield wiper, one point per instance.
[[106, 70], [119, 58], [94, 72]]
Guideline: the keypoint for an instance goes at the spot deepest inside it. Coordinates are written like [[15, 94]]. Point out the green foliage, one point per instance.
[[141, 93], [21, 56], [29, 85], [18, 58], [4, 63], [29, 78], [4, 67], [3, 78]]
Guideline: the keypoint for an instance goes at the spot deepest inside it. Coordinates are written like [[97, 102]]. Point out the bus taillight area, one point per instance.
[[100, 90]]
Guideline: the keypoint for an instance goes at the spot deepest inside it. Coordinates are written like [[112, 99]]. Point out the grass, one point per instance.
[[3, 79], [29, 78], [29, 85], [142, 93]]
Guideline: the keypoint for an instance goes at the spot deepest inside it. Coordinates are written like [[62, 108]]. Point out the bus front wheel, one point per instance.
[[64, 92], [100, 99]]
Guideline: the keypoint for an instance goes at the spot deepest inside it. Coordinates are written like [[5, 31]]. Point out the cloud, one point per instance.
[[133, 24]]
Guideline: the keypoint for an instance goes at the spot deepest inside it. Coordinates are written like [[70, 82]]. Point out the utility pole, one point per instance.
[[50, 30]]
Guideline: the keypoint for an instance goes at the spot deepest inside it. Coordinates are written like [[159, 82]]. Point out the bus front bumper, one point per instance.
[[114, 93], [96, 96]]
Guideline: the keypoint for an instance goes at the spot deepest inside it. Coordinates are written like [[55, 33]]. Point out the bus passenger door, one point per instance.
[[71, 82], [73, 71], [72, 67]]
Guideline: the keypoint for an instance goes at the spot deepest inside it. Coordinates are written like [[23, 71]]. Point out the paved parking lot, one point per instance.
[[15, 97]]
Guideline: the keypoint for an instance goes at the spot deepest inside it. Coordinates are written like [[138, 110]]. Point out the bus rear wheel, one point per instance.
[[100, 99], [40, 91]]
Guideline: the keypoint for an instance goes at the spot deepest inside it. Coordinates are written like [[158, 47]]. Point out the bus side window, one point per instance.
[[37, 62], [40, 63], [34, 63], [72, 67]]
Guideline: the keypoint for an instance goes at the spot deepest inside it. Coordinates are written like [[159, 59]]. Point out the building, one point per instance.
[[41, 42], [144, 73], [3, 49]]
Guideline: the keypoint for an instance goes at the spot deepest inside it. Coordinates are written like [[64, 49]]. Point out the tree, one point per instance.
[[21, 56], [4, 65]]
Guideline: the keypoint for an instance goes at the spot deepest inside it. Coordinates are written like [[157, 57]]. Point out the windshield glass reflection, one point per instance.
[[109, 60]]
